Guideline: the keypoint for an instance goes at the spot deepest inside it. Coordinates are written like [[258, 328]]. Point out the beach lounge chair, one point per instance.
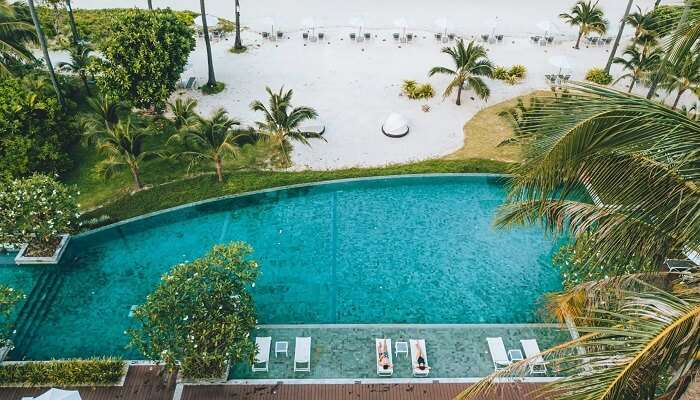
[[191, 83], [532, 350], [262, 357], [414, 357], [499, 356], [302, 354], [381, 371]]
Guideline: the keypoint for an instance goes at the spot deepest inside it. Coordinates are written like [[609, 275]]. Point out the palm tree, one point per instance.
[[16, 32], [471, 63], [183, 112], [639, 64], [621, 175], [211, 82], [588, 17], [106, 112], [237, 43], [45, 50], [210, 139], [642, 24], [150, 4], [613, 51], [71, 21], [282, 124], [80, 60], [123, 146], [683, 76]]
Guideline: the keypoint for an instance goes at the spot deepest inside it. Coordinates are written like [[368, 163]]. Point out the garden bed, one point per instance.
[[88, 372]]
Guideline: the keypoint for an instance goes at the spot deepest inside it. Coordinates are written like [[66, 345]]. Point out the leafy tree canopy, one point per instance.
[[144, 56], [9, 298], [201, 313]]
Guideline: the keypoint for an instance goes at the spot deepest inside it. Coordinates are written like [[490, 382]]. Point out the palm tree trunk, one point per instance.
[[634, 80], [459, 95], [137, 176], [150, 5], [237, 44], [678, 97], [619, 36], [85, 82], [219, 169], [45, 50], [212, 78], [578, 39], [693, 389], [661, 72], [71, 20]]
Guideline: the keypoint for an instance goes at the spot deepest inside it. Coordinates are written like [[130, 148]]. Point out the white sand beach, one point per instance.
[[354, 86]]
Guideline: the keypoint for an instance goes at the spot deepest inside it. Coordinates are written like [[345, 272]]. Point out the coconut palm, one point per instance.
[[282, 121], [150, 4], [80, 60], [639, 64], [237, 42], [642, 23], [45, 50], [622, 174], [16, 32], [71, 21], [106, 112], [613, 51], [183, 111], [684, 76], [211, 82], [588, 17], [471, 63], [123, 146], [213, 139]]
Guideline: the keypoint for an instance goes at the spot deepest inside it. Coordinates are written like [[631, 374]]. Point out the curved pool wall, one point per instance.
[[398, 250]]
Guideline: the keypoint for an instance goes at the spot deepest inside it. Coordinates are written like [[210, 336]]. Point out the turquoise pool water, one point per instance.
[[416, 250]]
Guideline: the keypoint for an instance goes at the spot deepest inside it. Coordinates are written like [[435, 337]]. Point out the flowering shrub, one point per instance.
[[201, 314], [8, 300], [36, 210]]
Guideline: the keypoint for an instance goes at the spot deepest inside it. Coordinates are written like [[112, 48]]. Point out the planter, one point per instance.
[[21, 259], [206, 381]]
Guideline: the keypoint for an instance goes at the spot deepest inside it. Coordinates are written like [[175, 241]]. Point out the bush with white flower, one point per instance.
[[201, 314], [36, 210], [9, 298]]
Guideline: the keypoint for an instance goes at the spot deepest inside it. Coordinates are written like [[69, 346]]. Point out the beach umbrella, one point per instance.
[[491, 25], [268, 21], [357, 23], [211, 21], [443, 24], [561, 62], [401, 23], [309, 23], [58, 394]]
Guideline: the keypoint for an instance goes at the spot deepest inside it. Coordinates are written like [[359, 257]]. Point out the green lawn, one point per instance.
[[182, 191]]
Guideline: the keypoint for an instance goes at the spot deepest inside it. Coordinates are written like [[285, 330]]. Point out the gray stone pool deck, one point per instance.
[[348, 351]]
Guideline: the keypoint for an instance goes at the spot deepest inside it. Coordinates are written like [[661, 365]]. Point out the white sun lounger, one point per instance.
[[499, 356], [414, 357], [532, 350], [380, 369], [262, 356], [302, 354]]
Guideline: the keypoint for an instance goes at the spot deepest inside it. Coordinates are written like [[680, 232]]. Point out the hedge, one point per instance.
[[94, 371]]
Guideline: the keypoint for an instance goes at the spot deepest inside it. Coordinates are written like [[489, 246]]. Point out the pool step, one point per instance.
[[35, 310]]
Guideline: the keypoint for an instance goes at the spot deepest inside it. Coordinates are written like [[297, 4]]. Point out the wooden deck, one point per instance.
[[346, 392], [142, 382]]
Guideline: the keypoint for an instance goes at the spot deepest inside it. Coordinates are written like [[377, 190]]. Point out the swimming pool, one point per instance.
[[413, 250]]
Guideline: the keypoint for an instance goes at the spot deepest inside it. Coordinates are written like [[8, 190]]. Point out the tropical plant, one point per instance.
[[183, 111], [45, 51], [471, 63], [71, 22], [642, 23], [683, 76], [588, 17], [599, 76], [282, 121], [211, 139], [76, 372], [639, 64], [122, 145], [620, 175], [201, 314], [9, 298], [79, 63], [36, 210], [16, 32], [211, 81], [616, 44], [144, 57], [522, 117], [511, 75], [415, 91], [237, 45]]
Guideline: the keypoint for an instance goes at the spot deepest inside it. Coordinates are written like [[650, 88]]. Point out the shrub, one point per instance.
[[201, 314], [144, 57], [599, 76], [517, 70], [512, 75], [35, 134], [94, 371], [35, 210], [9, 298], [218, 87], [500, 73], [415, 91]]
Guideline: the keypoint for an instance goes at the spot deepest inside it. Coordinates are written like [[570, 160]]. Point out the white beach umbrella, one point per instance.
[[211, 21], [491, 25], [547, 27], [357, 22], [443, 24], [58, 394], [401, 23], [309, 23], [561, 62], [268, 21]]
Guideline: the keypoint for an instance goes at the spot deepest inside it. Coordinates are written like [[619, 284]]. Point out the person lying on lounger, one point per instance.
[[420, 360], [383, 352]]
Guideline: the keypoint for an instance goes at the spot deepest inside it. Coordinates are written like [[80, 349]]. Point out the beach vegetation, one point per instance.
[[513, 75], [201, 314], [238, 50], [683, 75], [471, 66], [589, 18], [183, 110], [639, 64], [217, 87], [416, 91], [16, 35], [599, 76], [80, 61]]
